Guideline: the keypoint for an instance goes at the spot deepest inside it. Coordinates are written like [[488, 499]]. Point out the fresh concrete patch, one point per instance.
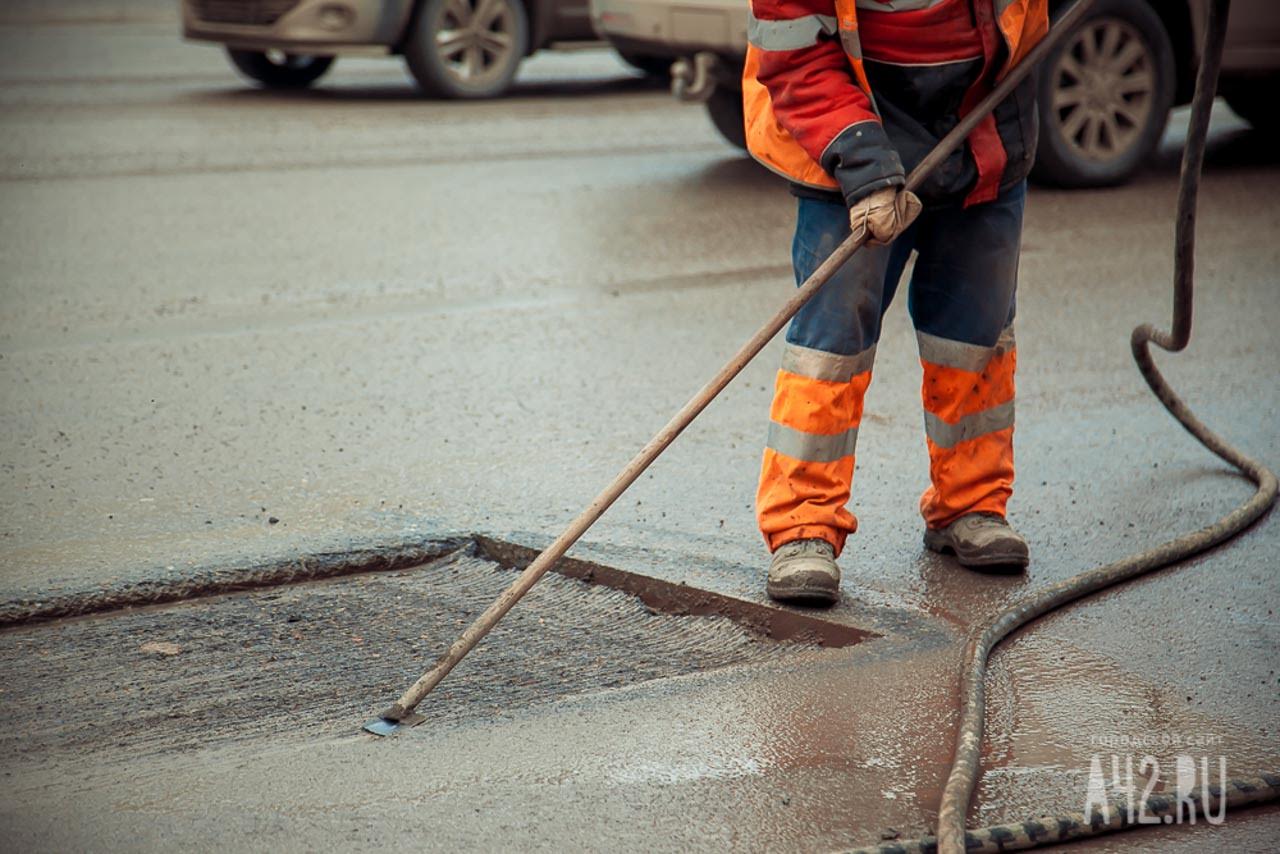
[[312, 660]]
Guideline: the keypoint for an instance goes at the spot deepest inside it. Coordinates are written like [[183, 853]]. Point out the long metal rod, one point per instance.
[[659, 443]]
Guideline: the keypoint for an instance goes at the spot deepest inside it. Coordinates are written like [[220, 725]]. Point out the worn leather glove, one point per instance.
[[884, 214]]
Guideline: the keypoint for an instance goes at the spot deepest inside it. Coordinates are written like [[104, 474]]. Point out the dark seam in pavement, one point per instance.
[[665, 597], [660, 597], [389, 163], [316, 567], [318, 314]]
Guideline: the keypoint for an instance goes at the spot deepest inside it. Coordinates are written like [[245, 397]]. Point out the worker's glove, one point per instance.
[[884, 214]]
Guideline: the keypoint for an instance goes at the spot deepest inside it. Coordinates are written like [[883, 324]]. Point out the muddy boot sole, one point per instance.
[[813, 593], [1006, 562]]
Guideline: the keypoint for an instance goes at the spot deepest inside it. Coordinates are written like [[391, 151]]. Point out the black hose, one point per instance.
[[952, 838]]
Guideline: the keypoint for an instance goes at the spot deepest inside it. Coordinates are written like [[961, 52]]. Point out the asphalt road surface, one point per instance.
[[242, 329]]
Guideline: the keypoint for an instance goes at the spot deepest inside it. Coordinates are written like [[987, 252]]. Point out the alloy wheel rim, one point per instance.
[[475, 38], [1103, 89]]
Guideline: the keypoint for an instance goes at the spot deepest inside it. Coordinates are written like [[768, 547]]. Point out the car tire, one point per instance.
[[1104, 97], [279, 70], [1256, 104], [725, 108], [652, 66], [467, 48]]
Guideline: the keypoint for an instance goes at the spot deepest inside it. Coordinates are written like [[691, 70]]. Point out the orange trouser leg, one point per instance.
[[968, 398], [807, 471]]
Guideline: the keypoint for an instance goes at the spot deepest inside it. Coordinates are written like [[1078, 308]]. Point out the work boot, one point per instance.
[[980, 540], [804, 572]]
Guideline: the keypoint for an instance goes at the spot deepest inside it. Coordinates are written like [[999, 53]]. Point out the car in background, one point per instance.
[[1105, 94], [454, 48]]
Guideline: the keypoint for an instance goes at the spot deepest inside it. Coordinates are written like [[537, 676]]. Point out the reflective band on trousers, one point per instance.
[[821, 365], [959, 355], [791, 34], [946, 435], [812, 447]]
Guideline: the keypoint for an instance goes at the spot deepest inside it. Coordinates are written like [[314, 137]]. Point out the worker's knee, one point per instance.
[[844, 316]]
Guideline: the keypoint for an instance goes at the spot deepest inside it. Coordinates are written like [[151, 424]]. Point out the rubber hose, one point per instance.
[[964, 770], [1213, 802]]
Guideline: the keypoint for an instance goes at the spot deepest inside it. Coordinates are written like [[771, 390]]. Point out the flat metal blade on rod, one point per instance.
[[385, 727]]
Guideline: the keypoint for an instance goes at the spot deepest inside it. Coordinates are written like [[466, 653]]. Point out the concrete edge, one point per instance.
[[666, 597], [660, 596], [216, 581]]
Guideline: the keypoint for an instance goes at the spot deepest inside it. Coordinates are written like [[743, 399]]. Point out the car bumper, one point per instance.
[[311, 26], [661, 28]]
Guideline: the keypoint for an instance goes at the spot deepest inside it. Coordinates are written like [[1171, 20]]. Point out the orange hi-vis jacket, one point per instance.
[[839, 95]]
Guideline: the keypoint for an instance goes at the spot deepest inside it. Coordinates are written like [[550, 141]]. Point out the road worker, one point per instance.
[[843, 97]]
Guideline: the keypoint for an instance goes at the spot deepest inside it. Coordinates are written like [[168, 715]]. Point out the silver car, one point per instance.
[[1105, 95], [454, 48]]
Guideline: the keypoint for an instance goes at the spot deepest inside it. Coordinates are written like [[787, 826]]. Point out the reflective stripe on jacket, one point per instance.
[[841, 95]]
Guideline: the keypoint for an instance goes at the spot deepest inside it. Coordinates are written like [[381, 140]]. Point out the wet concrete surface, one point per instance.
[[380, 320], [299, 663], [789, 750]]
